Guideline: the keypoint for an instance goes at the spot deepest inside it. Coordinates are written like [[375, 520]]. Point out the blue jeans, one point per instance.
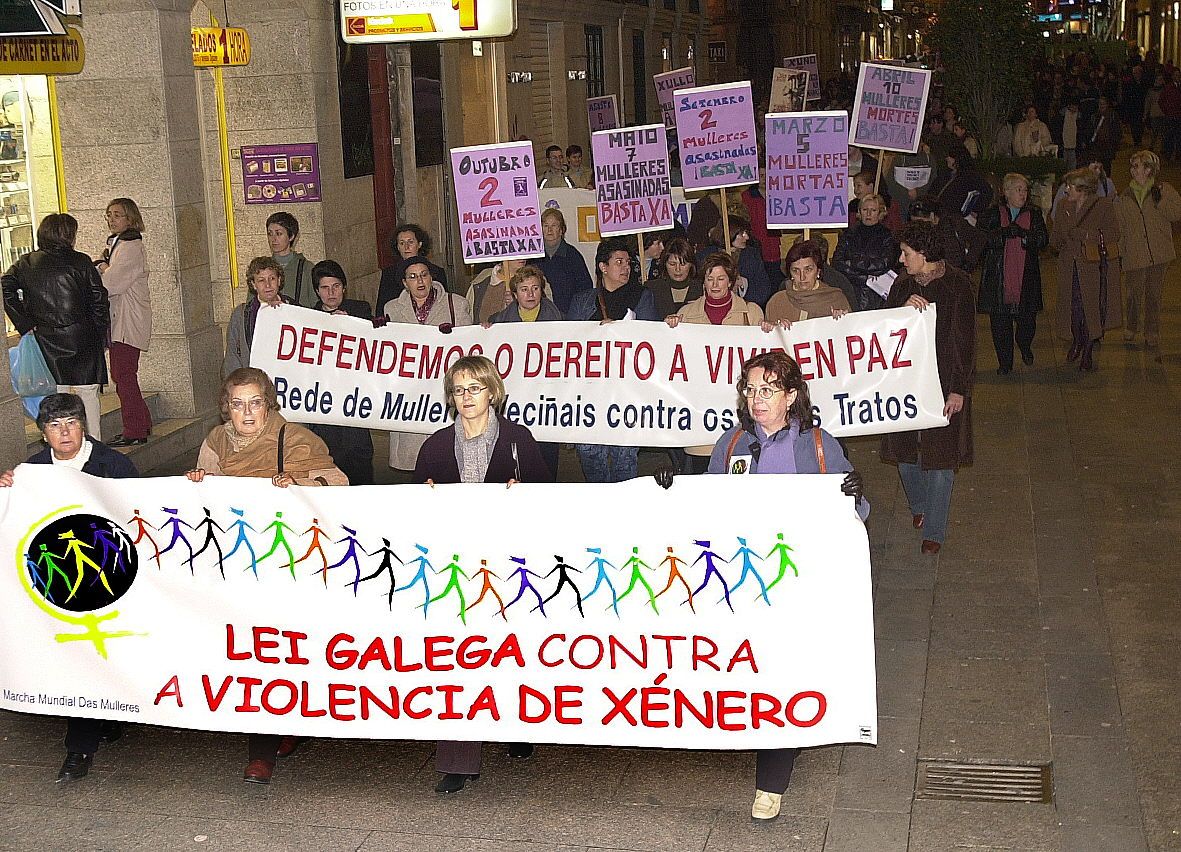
[[929, 494], [601, 463]]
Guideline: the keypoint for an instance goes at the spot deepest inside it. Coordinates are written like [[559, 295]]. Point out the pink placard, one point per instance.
[[602, 113], [668, 83], [631, 180], [716, 132], [889, 107], [496, 199]]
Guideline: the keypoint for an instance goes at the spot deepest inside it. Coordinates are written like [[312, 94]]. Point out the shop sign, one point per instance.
[[281, 174], [29, 18], [220, 46], [364, 21], [717, 53], [45, 54]]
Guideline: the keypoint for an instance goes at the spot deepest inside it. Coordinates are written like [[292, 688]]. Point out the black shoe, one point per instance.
[[453, 782], [1003, 371], [1027, 357], [120, 441], [521, 751], [75, 766], [112, 732]]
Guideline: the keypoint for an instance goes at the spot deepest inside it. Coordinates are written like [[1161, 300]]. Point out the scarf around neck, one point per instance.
[[618, 302], [258, 455], [1014, 260], [937, 271]]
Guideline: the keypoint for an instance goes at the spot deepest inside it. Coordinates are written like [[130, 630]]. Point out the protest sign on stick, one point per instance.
[[668, 83], [789, 91], [632, 190], [807, 170], [807, 62], [602, 112], [496, 201], [888, 108]]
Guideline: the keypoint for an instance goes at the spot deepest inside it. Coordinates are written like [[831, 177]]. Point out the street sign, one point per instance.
[[215, 47], [29, 18], [46, 54], [717, 53], [363, 21]]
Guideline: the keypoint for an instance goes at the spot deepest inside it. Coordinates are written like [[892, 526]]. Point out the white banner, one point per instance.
[[624, 383], [383, 612]]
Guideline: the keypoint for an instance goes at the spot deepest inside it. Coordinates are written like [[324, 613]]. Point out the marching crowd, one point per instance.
[[960, 240]]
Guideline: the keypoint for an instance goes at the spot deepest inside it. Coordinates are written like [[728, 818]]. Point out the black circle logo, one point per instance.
[[81, 563]]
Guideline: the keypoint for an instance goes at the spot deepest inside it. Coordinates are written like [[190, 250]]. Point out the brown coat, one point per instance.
[[1072, 230], [944, 447], [1147, 230]]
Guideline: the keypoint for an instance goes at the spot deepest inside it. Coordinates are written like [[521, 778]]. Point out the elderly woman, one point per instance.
[[1011, 280], [409, 241], [529, 303], [563, 265], [777, 434], [479, 447], [56, 293], [257, 441], [927, 459], [1147, 210], [124, 268], [1087, 237], [866, 250], [805, 296], [264, 280], [425, 302], [62, 421], [678, 283]]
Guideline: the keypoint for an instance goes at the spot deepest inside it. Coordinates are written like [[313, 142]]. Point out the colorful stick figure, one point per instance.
[[748, 569], [241, 526], [81, 561], [601, 566], [387, 565], [563, 570], [782, 549], [423, 564], [315, 530], [637, 565], [350, 553], [110, 545], [210, 539], [674, 574], [175, 521], [280, 540], [141, 532], [711, 570], [51, 568], [453, 583], [524, 573], [484, 574]]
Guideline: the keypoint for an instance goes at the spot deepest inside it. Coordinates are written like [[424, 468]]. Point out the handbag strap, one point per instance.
[[282, 430], [819, 439], [738, 433]]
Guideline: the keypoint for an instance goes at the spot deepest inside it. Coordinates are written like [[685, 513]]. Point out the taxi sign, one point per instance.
[[214, 47], [363, 21], [46, 54]]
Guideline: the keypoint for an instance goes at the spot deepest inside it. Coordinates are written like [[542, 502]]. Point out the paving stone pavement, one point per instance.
[[1046, 631]]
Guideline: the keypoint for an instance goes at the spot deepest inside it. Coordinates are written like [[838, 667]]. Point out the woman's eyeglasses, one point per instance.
[[764, 392], [250, 405], [471, 390]]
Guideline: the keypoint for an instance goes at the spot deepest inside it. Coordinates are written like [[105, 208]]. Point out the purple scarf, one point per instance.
[[1014, 256]]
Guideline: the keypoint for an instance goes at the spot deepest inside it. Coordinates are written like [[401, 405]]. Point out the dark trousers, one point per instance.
[[1171, 146], [83, 735], [351, 448], [460, 758], [1003, 334], [137, 420], [263, 747], [773, 768], [549, 452]]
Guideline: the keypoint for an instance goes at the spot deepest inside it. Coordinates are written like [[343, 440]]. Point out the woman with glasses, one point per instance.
[[479, 447], [776, 433], [257, 441]]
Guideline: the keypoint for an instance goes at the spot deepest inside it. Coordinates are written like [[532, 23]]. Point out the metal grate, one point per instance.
[[984, 782]]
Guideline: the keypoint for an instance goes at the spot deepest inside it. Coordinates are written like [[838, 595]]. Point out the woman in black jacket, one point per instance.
[[56, 293], [1011, 277], [865, 251]]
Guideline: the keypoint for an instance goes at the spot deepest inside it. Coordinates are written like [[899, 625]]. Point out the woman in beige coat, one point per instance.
[[426, 303], [1087, 237], [124, 268], [1147, 210]]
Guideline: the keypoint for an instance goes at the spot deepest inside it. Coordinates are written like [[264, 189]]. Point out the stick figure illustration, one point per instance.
[[562, 570], [674, 574], [176, 522], [110, 544], [81, 561], [423, 564], [524, 573], [280, 540], [141, 532], [49, 559], [453, 583], [782, 549], [637, 565], [387, 565], [210, 539], [350, 553], [601, 565], [241, 526], [711, 570], [487, 588], [748, 569], [316, 532]]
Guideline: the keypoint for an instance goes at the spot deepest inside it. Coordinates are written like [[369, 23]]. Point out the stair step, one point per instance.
[[112, 419]]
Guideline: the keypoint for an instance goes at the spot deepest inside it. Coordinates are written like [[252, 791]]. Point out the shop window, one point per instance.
[[426, 73], [356, 117], [28, 166], [640, 81], [596, 84]]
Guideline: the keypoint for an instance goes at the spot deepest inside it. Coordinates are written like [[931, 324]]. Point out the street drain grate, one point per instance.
[[984, 782]]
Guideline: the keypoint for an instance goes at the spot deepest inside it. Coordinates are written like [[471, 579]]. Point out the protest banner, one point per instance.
[[623, 383], [789, 91], [632, 192], [808, 62], [602, 113], [807, 169], [668, 83], [496, 200], [889, 107], [374, 612]]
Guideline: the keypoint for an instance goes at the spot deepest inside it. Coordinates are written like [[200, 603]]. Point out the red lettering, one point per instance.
[[449, 692], [744, 654], [261, 645], [527, 693], [821, 707], [248, 705], [305, 709], [170, 690], [898, 362], [345, 350], [562, 705], [704, 651], [286, 342], [485, 703], [619, 706], [856, 349], [337, 700], [765, 708], [306, 344], [727, 709], [294, 658], [406, 365], [408, 704], [375, 653], [214, 701], [280, 709], [326, 339], [573, 368], [545, 644], [532, 368], [231, 654], [437, 651], [339, 660]]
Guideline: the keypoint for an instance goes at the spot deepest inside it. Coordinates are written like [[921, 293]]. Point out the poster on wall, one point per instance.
[[889, 107], [602, 113], [632, 189], [281, 174], [716, 132], [496, 200]]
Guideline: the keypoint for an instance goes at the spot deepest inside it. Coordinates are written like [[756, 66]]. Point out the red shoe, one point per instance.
[[930, 548], [259, 772], [289, 745], [917, 521]]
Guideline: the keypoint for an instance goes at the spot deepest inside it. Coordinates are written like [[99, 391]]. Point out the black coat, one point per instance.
[[864, 252], [59, 296], [992, 271], [103, 462], [353, 307], [436, 459]]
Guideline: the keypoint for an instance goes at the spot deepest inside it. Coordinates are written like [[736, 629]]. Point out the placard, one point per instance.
[[807, 169], [789, 90], [281, 174], [889, 107], [602, 113], [912, 177], [632, 192], [807, 62], [668, 83], [716, 135], [496, 199]]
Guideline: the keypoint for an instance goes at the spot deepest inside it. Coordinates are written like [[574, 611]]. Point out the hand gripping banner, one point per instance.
[[393, 612]]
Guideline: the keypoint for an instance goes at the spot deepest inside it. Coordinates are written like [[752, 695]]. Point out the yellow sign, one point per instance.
[[379, 21], [217, 46], [47, 54]]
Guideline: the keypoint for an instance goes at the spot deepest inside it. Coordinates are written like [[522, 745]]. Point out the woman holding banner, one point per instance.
[[805, 296], [927, 459]]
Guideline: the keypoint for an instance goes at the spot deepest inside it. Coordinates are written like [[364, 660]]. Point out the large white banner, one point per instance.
[[622, 383], [598, 614]]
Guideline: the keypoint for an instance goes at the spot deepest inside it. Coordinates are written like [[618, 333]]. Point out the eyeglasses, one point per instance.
[[418, 276], [471, 390], [63, 425], [248, 405], [764, 392]]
